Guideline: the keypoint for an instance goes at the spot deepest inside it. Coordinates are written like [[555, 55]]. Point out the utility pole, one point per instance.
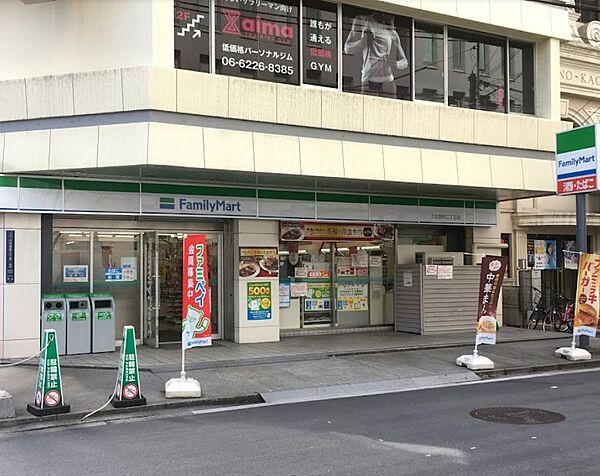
[[581, 244]]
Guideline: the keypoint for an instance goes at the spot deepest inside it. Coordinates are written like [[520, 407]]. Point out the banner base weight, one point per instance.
[[475, 362], [182, 388], [37, 411], [572, 353]]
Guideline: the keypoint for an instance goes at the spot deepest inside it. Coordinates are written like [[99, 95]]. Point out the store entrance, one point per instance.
[[163, 286]]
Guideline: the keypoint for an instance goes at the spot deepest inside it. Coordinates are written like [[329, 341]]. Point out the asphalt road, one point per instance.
[[426, 432]]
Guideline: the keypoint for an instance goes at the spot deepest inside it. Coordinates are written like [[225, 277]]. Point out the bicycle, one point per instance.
[[563, 315], [539, 312]]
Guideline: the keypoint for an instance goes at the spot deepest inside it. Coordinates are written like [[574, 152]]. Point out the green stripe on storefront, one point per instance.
[[198, 190], [52, 184], [576, 139], [342, 198], [437, 202], [97, 186], [286, 195], [8, 181], [267, 194], [383, 200]]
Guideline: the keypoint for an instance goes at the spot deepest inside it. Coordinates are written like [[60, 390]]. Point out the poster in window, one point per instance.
[[257, 40], [319, 50], [571, 255], [376, 53], [192, 36], [545, 254]]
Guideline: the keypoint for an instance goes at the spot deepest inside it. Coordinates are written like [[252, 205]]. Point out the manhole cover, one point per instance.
[[516, 415]]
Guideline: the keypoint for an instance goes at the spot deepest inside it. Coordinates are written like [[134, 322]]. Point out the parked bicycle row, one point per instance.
[[558, 316]]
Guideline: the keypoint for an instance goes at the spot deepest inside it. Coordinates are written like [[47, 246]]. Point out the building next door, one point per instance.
[[163, 286]]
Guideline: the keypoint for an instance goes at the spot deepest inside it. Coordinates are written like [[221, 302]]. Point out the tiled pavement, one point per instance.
[[228, 354]]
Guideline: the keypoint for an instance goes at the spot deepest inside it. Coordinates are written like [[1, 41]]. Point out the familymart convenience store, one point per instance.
[[125, 239]]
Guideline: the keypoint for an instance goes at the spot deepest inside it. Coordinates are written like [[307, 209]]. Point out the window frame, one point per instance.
[[447, 63]]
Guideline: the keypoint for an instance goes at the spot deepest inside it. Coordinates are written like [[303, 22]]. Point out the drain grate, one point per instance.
[[517, 415]]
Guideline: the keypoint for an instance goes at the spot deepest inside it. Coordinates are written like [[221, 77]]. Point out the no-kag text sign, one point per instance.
[[490, 285], [196, 324], [577, 160]]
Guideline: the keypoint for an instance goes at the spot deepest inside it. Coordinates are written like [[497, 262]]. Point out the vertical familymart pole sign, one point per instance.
[[577, 160]]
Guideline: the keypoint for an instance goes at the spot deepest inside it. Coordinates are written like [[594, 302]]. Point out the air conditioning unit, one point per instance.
[[453, 258]]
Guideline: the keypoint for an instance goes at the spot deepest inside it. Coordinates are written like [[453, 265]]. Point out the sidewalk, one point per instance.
[[326, 366], [228, 354]]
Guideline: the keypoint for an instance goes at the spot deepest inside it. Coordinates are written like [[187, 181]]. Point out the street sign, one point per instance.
[[577, 160]]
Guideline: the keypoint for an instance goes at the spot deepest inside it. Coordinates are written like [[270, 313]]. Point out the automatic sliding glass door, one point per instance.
[[164, 265]]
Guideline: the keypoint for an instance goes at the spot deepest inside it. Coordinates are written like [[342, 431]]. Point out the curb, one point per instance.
[[73, 417], [562, 365]]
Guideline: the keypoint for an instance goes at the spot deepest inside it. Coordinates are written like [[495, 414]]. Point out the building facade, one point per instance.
[[532, 224], [318, 145]]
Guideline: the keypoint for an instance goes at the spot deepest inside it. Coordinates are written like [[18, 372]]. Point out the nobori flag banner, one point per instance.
[[586, 304], [128, 392], [49, 398], [196, 324], [490, 285]]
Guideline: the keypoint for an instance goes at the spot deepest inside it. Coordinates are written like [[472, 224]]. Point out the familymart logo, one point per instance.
[[166, 203], [201, 205]]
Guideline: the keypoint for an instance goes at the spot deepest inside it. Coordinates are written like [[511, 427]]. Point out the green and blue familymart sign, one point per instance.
[[68, 195], [577, 160]]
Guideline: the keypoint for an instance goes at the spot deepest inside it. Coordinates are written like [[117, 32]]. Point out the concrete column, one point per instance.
[[20, 304], [254, 233], [547, 79]]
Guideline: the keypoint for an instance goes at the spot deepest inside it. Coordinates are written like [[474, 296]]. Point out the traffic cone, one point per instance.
[[128, 392], [49, 398]]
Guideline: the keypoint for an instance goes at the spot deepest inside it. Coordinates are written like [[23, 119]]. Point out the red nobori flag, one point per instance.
[[490, 285], [196, 324]]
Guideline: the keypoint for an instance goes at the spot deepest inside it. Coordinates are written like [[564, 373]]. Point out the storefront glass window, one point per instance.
[[336, 281], [376, 47], [521, 78], [71, 262], [319, 51], [257, 40], [192, 35], [117, 272], [429, 62], [477, 73]]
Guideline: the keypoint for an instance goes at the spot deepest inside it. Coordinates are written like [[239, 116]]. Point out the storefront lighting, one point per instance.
[[370, 247], [72, 242]]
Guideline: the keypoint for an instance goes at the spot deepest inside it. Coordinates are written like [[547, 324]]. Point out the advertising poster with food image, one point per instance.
[[259, 263], [299, 231], [491, 276], [586, 305], [259, 301]]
